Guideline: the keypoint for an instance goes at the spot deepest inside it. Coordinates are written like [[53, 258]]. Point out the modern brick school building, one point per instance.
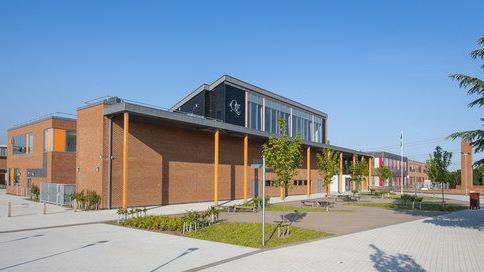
[[201, 149]]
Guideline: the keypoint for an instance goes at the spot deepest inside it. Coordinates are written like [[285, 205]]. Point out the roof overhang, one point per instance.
[[149, 114]]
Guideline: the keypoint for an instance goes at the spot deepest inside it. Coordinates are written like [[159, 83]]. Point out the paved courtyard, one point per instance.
[[450, 242]]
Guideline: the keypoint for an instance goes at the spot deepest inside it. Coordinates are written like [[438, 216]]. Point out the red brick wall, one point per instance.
[[60, 165], [90, 154], [174, 165]]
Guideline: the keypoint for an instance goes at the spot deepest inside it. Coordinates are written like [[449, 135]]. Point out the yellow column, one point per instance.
[[362, 181], [353, 182], [281, 191], [308, 169], [246, 158], [369, 174], [215, 168], [125, 159], [340, 177]]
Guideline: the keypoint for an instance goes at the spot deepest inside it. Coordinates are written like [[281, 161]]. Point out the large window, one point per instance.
[[255, 111], [301, 124], [19, 144], [273, 111], [318, 129], [59, 140]]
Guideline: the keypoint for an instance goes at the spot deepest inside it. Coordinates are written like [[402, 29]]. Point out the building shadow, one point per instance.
[[53, 255], [471, 219], [400, 262], [187, 251]]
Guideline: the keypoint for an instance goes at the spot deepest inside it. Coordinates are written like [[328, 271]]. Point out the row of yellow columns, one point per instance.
[[216, 166]]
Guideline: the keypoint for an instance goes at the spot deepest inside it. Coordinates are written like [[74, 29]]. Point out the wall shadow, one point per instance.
[[400, 262]]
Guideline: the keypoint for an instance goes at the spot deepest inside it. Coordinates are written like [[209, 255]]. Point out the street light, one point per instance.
[[257, 164]]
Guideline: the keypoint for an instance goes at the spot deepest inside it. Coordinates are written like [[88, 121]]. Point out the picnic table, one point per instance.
[[325, 203]]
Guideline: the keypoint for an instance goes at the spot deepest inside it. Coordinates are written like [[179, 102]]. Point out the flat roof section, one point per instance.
[[246, 86], [44, 118], [198, 122]]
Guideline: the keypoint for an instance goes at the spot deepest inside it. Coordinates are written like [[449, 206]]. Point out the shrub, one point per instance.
[[35, 192], [257, 201], [92, 199], [154, 222]]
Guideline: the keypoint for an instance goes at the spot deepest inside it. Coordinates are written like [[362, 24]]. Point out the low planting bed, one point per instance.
[[206, 226]]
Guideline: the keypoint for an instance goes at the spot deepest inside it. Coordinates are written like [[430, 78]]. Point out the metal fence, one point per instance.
[[56, 193]]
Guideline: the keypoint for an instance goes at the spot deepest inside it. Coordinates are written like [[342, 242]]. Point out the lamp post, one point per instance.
[[263, 201]]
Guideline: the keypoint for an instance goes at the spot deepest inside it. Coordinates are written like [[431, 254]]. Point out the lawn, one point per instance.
[[425, 207], [291, 208], [249, 234]]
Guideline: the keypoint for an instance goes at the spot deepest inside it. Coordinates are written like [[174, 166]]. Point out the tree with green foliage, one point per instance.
[[328, 165], [437, 166], [358, 171], [475, 87], [283, 155], [384, 172]]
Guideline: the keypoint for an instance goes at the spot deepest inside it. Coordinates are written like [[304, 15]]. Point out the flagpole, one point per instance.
[[401, 163]]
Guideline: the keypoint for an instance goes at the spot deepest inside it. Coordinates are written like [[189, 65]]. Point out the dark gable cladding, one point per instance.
[[225, 103]]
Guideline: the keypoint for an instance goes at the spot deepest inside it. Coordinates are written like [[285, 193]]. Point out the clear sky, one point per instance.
[[376, 67]]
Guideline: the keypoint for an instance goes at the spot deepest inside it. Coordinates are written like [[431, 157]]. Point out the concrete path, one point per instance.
[[452, 242], [103, 247], [28, 215]]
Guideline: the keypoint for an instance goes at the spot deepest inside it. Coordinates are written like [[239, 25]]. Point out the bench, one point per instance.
[[240, 208], [311, 203]]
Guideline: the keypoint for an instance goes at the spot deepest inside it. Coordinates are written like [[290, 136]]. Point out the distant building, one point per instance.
[[417, 174], [3, 166], [43, 150], [394, 162]]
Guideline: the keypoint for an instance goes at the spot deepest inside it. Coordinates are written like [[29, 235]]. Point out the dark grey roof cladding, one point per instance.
[[244, 85]]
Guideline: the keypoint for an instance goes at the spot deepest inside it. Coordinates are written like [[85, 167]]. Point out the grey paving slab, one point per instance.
[[103, 247]]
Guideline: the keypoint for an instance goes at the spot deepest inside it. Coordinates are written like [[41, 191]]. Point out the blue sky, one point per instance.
[[376, 67]]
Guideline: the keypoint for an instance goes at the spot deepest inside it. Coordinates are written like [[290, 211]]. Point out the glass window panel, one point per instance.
[[48, 139], [71, 141], [19, 144]]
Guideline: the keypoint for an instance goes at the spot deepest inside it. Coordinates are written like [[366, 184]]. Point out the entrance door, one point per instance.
[[255, 188], [29, 186]]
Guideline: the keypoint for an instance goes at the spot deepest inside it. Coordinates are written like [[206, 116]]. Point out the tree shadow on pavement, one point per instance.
[[471, 219], [400, 262], [187, 251]]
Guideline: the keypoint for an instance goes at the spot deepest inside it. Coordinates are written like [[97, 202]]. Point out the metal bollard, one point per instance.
[[9, 209], [45, 207]]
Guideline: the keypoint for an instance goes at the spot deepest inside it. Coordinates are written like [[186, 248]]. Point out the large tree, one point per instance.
[[475, 87], [328, 165], [283, 155], [437, 166]]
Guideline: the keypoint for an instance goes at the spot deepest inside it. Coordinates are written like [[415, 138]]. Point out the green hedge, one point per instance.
[[155, 222], [411, 198]]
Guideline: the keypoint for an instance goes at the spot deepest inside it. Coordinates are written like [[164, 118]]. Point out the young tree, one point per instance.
[[384, 172], [283, 154], [359, 171], [328, 164], [437, 167], [476, 87]]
